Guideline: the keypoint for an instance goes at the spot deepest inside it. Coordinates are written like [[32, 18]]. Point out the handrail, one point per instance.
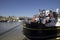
[[42, 28]]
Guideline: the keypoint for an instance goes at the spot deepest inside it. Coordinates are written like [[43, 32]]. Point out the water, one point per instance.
[[4, 26], [15, 34]]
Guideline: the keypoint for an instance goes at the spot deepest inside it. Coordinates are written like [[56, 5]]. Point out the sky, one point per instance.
[[26, 7]]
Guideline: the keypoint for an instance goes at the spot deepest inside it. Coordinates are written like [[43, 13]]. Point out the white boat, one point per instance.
[[44, 28]]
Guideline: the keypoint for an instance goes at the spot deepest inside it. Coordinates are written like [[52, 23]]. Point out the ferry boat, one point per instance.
[[46, 25]]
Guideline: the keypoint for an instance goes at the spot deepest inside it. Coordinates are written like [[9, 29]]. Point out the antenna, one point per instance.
[[39, 10]]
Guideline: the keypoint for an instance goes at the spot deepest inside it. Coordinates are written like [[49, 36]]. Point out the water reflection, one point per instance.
[[5, 26]]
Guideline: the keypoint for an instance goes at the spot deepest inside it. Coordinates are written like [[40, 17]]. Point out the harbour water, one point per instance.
[[5, 26], [11, 31]]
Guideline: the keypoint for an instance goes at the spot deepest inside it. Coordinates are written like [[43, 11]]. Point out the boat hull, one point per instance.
[[33, 31]]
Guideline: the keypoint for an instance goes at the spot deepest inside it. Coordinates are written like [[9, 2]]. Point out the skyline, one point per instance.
[[26, 7]]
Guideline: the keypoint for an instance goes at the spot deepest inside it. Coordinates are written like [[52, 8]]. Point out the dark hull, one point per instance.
[[3, 21], [39, 31]]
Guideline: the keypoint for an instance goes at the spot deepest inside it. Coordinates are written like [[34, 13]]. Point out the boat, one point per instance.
[[46, 25], [3, 20]]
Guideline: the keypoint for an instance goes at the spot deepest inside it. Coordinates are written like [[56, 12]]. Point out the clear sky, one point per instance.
[[26, 7]]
